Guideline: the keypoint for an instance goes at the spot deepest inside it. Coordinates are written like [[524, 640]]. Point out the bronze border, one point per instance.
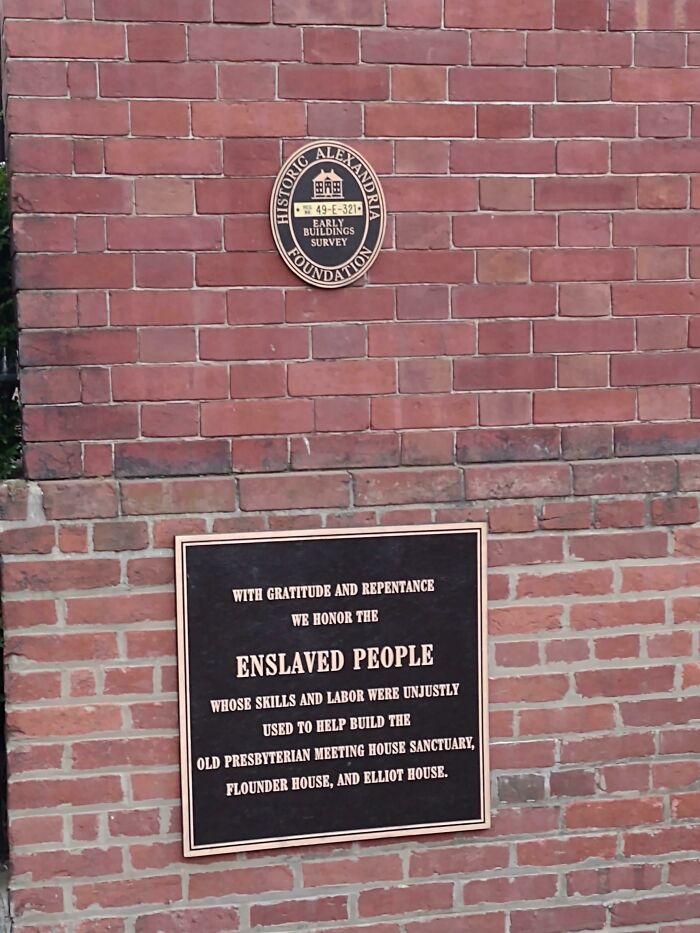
[[181, 543], [382, 200]]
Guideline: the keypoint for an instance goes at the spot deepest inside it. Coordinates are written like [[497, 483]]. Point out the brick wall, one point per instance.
[[526, 351]]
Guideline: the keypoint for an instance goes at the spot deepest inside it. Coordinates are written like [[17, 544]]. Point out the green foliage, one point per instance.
[[10, 423]]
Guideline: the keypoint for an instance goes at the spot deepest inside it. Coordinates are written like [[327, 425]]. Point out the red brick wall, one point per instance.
[[526, 351]]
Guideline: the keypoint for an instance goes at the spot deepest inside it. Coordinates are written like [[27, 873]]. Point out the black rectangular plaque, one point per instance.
[[332, 685]]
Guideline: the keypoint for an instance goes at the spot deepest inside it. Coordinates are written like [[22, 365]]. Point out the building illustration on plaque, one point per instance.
[[328, 185]]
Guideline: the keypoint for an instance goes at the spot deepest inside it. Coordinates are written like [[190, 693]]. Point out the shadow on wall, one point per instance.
[[10, 446]]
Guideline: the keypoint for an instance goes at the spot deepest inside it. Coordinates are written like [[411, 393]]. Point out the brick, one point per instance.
[[318, 910], [242, 11], [584, 583], [151, 42], [583, 405], [669, 263], [29, 613], [584, 84], [172, 458], [60, 575], [621, 646], [73, 195], [550, 920], [167, 308], [331, 45], [498, 48], [655, 84], [161, 10], [687, 540], [273, 416], [496, 230], [176, 496], [415, 119], [584, 194], [562, 48], [504, 373], [74, 792], [591, 265], [423, 411], [656, 155], [624, 681], [420, 83], [667, 120], [64, 40], [45, 9], [498, 14], [569, 14], [429, 194], [565, 851], [361, 13], [654, 230], [95, 271], [604, 615], [301, 307], [74, 348], [536, 688], [253, 343], [368, 868], [164, 156], [576, 157], [302, 82], [637, 877], [611, 547], [427, 448], [572, 783], [642, 439], [415, 47], [80, 500], [659, 50], [289, 492], [79, 117], [336, 452], [589, 718], [504, 621], [245, 43], [682, 907], [613, 813], [485, 923], [507, 408], [124, 893], [527, 481], [405, 900], [439, 485], [662, 192], [501, 156], [502, 84], [508, 444], [356, 377], [584, 120], [668, 368], [215, 919], [579, 336], [463, 859], [389, 340], [154, 80]]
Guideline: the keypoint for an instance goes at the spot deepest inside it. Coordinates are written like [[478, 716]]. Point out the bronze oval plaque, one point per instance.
[[328, 214]]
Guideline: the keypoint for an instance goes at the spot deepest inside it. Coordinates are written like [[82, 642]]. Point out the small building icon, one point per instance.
[[328, 185]]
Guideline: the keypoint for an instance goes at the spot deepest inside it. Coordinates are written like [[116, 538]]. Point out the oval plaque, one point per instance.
[[328, 214]]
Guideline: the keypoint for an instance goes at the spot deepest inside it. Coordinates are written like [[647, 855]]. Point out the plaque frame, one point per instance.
[[284, 250], [190, 849]]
